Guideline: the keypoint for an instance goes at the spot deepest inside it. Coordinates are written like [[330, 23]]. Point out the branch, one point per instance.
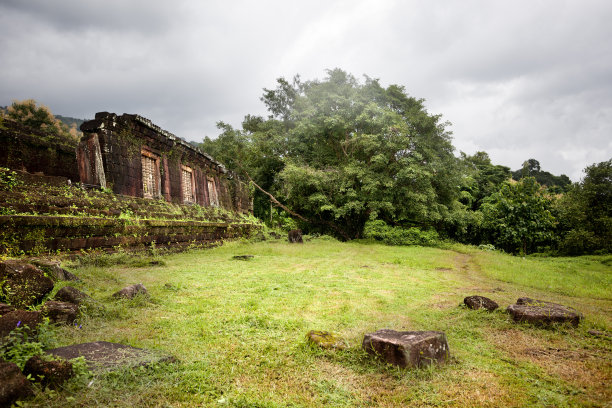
[[272, 198], [279, 204]]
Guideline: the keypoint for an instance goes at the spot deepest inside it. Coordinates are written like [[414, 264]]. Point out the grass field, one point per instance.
[[238, 328]]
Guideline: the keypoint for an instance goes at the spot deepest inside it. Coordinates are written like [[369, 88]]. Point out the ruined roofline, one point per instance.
[[171, 136]]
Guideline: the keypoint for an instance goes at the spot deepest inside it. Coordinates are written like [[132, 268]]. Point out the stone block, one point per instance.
[[408, 348], [243, 257], [60, 312], [295, 236], [543, 313], [130, 291], [19, 318], [54, 269], [13, 384], [72, 295], [4, 308], [104, 356], [325, 339], [50, 374], [23, 284], [480, 302]]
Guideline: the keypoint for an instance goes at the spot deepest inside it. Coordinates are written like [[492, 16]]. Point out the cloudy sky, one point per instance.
[[517, 79]]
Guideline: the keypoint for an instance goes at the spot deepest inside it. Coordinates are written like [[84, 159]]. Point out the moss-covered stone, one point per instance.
[[325, 340]]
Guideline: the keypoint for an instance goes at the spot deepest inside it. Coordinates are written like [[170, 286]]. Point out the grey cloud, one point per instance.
[[519, 79], [75, 15]]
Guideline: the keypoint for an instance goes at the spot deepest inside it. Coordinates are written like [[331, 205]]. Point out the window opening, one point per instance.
[[150, 176], [187, 184], [212, 193]]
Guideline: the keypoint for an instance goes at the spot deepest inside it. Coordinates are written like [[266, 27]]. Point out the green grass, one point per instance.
[[587, 276], [238, 328]]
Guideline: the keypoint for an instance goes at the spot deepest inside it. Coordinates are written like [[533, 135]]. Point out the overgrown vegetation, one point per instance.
[[380, 231], [40, 198], [9, 179], [25, 342], [340, 152], [39, 117], [94, 213], [554, 184], [238, 328]]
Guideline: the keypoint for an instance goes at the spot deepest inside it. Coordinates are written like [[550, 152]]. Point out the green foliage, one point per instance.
[[340, 152], [8, 179], [81, 370], [380, 231], [579, 242], [39, 117], [481, 179], [518, 217], [23, 343], [554, 184], [585, 212]]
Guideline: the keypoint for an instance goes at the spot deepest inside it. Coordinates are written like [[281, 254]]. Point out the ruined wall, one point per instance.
[[41, 234], [142, 160], [39, 214], [24, 148]]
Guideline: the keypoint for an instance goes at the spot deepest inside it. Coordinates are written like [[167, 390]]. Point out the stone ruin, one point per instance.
[[129, 155], [132, 156], [151, 172]]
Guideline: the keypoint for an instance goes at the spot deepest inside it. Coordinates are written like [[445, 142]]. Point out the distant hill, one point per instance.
[[69, 121]]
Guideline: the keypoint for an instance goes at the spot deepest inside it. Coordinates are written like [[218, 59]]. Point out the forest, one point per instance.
[[353, 159]]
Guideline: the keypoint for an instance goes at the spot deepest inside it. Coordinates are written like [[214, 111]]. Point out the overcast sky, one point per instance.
[[517, 79]]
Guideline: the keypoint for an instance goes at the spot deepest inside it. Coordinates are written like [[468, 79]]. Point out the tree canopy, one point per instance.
[[585, 212], [340, 152], [29, 113], [532, 168], [345, 156], [518, 217]]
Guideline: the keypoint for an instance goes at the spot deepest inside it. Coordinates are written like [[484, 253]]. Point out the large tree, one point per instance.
[[481, 178], [31, 114], [340, 152], [518, 217], [585, 212]]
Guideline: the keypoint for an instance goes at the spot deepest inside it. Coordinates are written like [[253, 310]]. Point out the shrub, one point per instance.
[[30, 113], [22, 344], [380, 231], [579, 242], [8, 179]]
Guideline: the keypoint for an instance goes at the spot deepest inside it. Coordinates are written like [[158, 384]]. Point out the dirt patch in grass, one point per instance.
[[444, 300], [588, 370], [478, 388]]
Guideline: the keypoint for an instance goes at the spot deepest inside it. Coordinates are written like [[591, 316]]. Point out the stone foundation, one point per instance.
[[38, 234]]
